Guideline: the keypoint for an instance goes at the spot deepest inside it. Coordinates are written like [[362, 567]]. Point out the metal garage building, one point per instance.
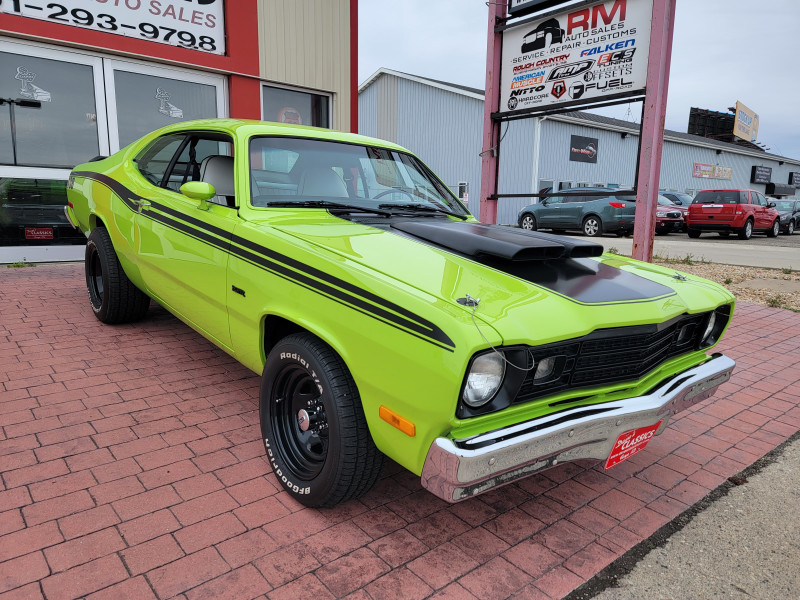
[[442, 123]]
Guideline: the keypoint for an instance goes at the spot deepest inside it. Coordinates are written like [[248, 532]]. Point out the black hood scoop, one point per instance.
[[555, 262], [494, 241]]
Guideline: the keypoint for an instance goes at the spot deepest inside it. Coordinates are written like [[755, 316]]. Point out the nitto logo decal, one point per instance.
[[570, 70], [559, 88]]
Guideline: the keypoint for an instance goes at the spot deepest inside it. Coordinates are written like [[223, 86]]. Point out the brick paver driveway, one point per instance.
[[131, 467]]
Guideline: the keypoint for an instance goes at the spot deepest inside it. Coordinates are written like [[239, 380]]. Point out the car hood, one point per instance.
[[526, 292]]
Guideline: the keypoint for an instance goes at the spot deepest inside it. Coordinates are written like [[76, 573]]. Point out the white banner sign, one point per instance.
[[193, 24], [596, 52]]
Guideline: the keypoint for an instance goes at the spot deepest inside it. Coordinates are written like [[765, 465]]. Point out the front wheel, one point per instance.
[[790, 228], [592, 226], [775, 229], [113, 297], [313, 426], [528, 222], [747, 231]]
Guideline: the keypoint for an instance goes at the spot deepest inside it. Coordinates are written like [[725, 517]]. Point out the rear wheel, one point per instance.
[[774, 230], [528, 222], [592, 226], [313, 426], [747, 231], [694, 233], [113, 297]]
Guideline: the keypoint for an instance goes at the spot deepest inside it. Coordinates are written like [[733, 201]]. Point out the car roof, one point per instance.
[[251, 127]]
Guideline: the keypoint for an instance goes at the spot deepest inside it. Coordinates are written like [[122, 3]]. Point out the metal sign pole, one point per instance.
[[652, 137], [491, 129]]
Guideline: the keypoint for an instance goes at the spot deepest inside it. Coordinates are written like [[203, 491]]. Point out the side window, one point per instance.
[[154, 161], [195, 164], [743, 198]]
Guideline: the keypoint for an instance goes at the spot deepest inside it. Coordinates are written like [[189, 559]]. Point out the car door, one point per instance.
[[549, 212], [183, 246], [761, 214], [572, 211]]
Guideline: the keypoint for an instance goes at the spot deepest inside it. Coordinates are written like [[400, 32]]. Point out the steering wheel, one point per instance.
[[392, 191]]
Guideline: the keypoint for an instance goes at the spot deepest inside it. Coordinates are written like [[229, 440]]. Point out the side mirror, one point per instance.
[[771, 205], [200, 191], [544, 202]]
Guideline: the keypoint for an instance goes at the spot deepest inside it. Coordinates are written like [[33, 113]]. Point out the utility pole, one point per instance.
[[652, 140], [491, 129]]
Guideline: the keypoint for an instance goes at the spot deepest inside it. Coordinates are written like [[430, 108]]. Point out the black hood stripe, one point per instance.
[[283, 266]]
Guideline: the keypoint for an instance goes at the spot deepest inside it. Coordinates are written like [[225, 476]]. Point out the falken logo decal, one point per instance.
[[283, 266]]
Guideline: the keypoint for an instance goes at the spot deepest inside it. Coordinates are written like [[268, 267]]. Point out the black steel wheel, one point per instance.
[[114, 299], [314, 430]]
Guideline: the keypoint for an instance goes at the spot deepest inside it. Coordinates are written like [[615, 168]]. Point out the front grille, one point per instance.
[[610, 356]]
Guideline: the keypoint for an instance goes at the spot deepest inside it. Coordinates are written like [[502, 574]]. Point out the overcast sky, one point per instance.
[[723, 51]]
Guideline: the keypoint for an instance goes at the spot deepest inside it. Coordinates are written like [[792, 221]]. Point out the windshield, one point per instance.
[[782, 204], [286, 170]]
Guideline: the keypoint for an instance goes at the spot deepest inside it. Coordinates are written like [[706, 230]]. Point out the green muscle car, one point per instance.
[[384, 318]]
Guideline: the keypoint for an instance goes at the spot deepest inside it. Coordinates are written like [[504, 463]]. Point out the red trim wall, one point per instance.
[[241, 25]]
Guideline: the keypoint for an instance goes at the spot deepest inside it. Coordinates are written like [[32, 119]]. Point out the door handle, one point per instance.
[[142, 204]]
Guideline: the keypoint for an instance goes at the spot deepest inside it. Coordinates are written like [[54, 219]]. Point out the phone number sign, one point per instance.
[[193, 24]]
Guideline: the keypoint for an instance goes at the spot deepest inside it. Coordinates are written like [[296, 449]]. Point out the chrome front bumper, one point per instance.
[[458, 469]]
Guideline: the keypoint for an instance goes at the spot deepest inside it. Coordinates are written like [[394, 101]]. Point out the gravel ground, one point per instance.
[[770, 287]]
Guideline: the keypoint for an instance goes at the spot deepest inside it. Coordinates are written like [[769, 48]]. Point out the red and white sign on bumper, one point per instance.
[[629, 443]]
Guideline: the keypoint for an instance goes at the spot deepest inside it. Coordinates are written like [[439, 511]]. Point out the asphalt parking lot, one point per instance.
[[131, 466]]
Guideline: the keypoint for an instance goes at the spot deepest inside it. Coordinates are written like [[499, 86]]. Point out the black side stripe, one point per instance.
[[285, 267]]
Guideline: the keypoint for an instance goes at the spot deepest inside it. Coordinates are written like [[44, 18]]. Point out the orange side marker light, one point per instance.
[[395, 420]]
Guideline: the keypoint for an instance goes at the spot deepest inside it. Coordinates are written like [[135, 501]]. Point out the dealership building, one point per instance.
[[84, 78], [443, 123]]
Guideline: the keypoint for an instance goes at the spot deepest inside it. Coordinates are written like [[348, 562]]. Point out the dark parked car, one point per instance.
[[789, 211], [727, 211], [577, 209]]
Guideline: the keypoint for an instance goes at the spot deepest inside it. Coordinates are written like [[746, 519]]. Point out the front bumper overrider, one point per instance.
[[458, 469]]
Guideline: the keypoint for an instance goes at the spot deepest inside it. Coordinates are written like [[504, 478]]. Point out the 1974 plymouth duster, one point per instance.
[[384, 318]]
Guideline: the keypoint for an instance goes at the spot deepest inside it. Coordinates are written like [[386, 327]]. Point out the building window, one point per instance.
[[290, 106], [62, 130]]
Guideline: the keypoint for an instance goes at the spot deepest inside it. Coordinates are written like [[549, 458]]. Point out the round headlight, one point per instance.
[[709, 328], [484, 379]]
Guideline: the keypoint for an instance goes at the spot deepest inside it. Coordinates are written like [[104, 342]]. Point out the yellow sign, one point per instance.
[[745, 125]]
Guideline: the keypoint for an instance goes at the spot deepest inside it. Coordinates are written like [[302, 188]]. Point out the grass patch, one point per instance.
[[775, 301], [786, 270], [20, 264], [728, 281], [613, 250]]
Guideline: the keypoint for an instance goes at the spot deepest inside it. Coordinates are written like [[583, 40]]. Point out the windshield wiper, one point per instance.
[[422, 208], [330, 204]]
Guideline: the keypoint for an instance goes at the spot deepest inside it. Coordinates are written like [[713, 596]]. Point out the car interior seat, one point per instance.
[[217, 170], [321, 181]]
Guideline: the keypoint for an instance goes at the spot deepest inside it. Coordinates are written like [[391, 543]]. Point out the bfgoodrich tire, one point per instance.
[[313, 426], [114, 299]]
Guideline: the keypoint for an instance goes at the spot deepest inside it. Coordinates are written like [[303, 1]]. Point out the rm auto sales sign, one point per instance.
[[596, 52]]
